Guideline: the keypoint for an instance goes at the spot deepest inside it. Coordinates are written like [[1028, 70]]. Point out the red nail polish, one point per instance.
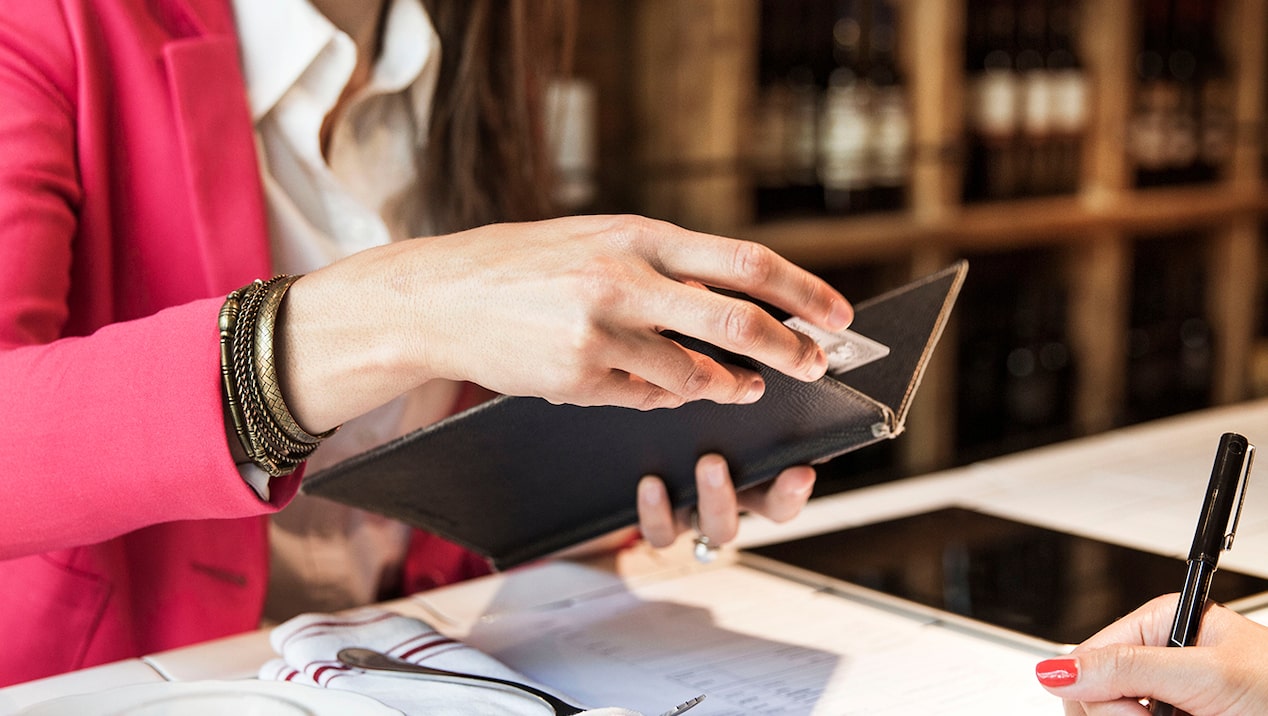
[[1057, 672]]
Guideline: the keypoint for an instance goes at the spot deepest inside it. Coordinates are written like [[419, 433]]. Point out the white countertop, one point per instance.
[[1139, 486]]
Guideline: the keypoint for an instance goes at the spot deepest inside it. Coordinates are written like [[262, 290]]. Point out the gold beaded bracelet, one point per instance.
[[269, 433]]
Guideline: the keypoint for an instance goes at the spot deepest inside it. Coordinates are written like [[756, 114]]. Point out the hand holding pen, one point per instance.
[[1214, 534], [1127, 659]]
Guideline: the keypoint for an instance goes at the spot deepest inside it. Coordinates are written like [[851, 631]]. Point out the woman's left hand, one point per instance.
[[719, 504]]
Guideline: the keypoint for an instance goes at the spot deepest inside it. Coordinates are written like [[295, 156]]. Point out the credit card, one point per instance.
[[846, 350]]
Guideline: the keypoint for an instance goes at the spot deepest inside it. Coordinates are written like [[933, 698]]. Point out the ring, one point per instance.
[[705, 550]]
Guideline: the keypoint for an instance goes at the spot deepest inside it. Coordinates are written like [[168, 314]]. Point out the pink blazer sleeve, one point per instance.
[[109, 427], [118, 430]]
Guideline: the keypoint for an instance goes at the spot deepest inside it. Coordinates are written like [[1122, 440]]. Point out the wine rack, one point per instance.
[[685, 88]]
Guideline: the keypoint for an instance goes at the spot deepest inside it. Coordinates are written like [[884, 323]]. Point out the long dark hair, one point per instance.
[[487, 159]]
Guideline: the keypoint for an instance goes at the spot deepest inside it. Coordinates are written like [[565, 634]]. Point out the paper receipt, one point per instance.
[[846, 349]]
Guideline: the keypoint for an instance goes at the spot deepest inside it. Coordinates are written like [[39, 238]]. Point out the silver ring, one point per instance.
[[704, 548]]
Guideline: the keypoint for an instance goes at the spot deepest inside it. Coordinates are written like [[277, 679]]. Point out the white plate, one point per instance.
[[246, 697]]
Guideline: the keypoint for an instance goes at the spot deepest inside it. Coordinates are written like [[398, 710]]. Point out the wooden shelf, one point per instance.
[[689, 86], [829, 241]]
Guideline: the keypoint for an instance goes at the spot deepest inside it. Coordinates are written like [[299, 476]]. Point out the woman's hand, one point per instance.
[[719, 504], [572, 310], [1225, 673]]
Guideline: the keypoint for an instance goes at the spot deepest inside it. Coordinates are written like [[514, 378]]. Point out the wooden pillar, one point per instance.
[[695, 70], [1108, 44], [1098, 280], [1232, 280], [1245, 34], [933, 45]]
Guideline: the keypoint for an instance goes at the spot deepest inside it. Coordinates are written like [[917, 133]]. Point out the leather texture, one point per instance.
[[517, 478]]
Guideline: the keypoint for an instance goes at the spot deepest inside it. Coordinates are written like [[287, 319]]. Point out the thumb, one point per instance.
[[1123, 671]]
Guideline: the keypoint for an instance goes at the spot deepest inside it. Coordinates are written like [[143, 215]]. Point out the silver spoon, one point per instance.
[[378, 661]]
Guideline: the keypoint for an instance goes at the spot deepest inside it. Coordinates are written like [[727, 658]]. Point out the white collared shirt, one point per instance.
[[327, 556], [296, 65]]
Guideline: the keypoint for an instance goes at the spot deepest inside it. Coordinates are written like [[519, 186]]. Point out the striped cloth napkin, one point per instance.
[[309, 642]]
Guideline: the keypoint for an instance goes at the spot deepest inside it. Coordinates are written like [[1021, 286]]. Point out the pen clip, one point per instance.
[[1243, 480]]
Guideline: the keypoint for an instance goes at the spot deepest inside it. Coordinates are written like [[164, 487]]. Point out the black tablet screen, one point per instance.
[[1053, 585]]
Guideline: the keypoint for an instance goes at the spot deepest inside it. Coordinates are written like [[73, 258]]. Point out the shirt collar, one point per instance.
[[282, 39]]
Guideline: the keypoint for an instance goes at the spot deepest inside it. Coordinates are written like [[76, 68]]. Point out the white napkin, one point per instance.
[[309, 642]]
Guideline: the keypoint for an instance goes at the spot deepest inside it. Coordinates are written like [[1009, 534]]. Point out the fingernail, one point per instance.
[[1057, 672], [649, 492], [805, 487], [840, 317], [714, 475]]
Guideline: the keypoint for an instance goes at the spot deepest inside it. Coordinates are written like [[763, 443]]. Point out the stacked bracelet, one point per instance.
[[269, 434]]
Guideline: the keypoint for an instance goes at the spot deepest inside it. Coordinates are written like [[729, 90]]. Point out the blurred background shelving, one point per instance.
[[1099, 162]]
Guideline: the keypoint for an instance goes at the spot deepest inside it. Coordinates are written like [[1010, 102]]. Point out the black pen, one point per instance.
[[1216, 526]]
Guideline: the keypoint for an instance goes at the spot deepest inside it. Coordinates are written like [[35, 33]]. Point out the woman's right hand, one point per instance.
[[571, 310], [1225, 673]]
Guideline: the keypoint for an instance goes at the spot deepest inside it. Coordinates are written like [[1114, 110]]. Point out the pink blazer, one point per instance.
[[130, 204]]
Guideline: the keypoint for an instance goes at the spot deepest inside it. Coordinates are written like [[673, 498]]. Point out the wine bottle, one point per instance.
[[786, 122], [1181, 141], [889, 161], [993, 116], [802, 121], [1154, 96], [845, 126], [1216, 127], [1035, 98], [770, 129], [1015, 381], [1037, 385], [1170, 356], [1069, 98], [571, 129]]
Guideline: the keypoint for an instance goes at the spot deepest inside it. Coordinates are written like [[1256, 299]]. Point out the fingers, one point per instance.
[[718, 505], [1149, 624], [1129, 659], [1103, 676], [749, 267], [621, 388], [1112, 679], [692, 259], [603, 292], [738, 326], [691, 375], [571, 310], [655, 514], [1073, 708], [782, 499]]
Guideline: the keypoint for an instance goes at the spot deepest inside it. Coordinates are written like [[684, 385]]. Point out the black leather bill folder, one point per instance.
[[515, 479]]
